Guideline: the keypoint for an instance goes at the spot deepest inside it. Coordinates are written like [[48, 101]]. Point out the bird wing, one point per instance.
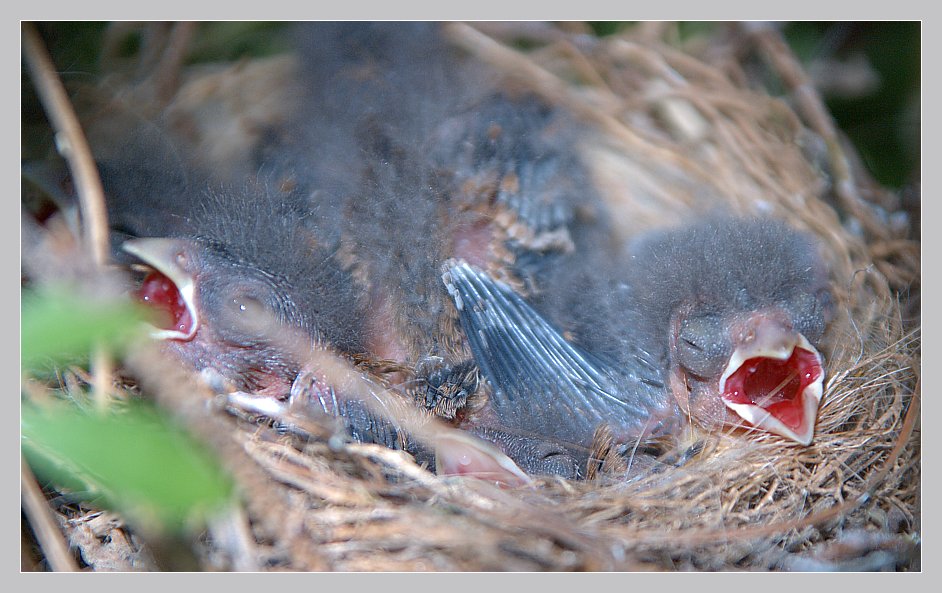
[[541, 383]]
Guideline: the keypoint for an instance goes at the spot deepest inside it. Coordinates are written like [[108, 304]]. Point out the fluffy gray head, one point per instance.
[[723, 266], [250, 237]]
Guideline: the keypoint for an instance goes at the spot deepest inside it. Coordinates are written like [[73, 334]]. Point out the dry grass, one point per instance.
[[674, 132]]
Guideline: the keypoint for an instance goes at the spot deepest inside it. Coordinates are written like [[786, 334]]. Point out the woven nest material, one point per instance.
[[674, 132]]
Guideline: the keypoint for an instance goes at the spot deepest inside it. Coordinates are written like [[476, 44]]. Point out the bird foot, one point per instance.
[[445, 389]]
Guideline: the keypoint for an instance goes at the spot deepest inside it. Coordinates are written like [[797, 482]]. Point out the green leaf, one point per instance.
[[57, 325], [134, 462]]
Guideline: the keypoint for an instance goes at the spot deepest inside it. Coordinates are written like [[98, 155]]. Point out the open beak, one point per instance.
[[774, 381], [168, 287]]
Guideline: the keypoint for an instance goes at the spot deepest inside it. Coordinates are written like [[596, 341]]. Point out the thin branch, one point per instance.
[[47, 533], [72, 144], [167, 73], [843, 509]]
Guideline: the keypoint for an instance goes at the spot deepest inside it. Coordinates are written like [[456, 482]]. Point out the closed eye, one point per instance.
[[702, 345], [248, 305], [245, 316], [692, 344]]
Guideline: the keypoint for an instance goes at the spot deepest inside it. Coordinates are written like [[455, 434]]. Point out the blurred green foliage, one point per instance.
[[58, 325], [76, 46], [131, 460]]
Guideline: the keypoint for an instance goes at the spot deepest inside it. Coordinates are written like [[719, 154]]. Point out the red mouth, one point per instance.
[[168, 287], [162, 294], [776, 386]]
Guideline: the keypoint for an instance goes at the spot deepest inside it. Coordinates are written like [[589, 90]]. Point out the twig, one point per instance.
[[72, 144], [233, 534], [167, 73], [713, 535], [40, 518]]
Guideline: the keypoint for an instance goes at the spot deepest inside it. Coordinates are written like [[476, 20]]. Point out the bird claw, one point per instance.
[[307, 389], [443, 389]]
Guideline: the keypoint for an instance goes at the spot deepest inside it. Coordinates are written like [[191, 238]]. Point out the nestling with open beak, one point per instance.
[[743, 303], [245, 278], [716, 321]]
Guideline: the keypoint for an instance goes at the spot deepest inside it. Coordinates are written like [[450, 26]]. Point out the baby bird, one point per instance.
[[425, 158], [421, 156], [245, 277], [225, 259], [744, 304], [716, 321]]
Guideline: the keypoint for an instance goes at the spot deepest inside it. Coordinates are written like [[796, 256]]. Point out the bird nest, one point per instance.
[[675, 131]]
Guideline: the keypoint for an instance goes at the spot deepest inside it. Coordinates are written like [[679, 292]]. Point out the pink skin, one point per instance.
[[457, 453], [460, 454]]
